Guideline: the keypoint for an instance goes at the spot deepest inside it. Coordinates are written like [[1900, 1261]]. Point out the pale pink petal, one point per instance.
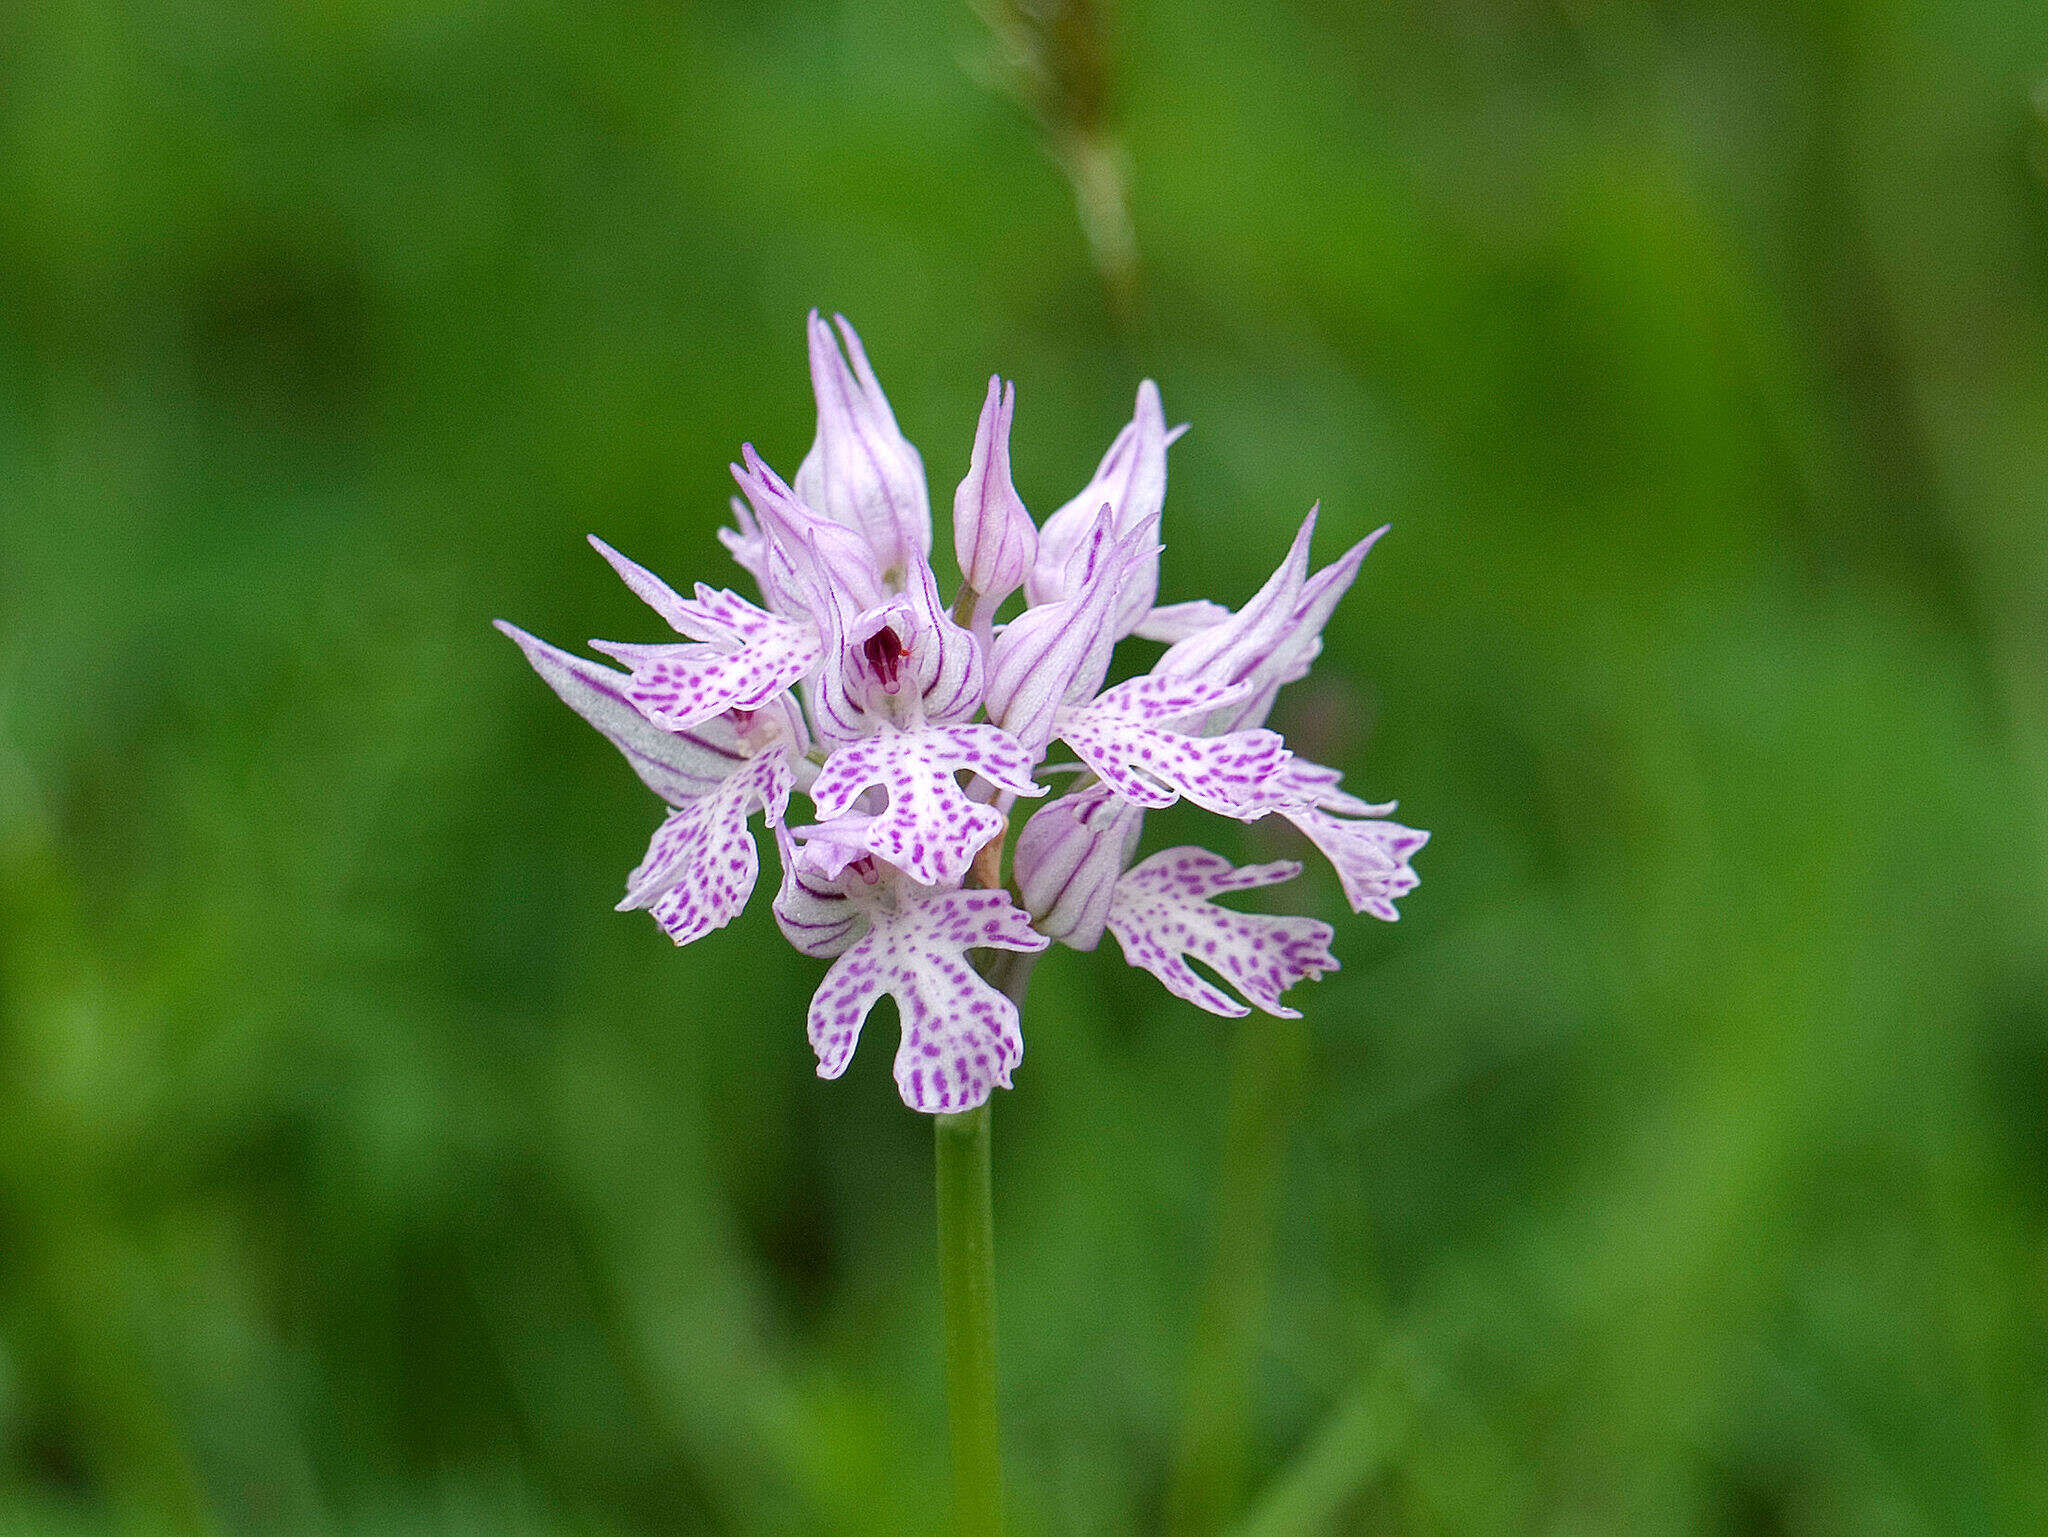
[[723, 617], [1172, 622], [1301, 780], [1162, 916], [960, 1037], [930, 829], [1370, 854], [993, 536], [1056, 653], [743, 658], [646, 586], [715, 614], [1154, 768], [827, 848], [1274, 638], [1156, 700], [950, 667], [1223, 650], [810, 563], [902, 662], [746, 544], [1131, 481]]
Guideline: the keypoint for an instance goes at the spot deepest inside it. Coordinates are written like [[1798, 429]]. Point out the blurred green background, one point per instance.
[[1675, 1166]]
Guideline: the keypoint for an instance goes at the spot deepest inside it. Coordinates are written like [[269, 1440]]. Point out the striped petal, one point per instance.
[[1131, 482], [994, 538], [1056, 653], [1067, 861], [861, 471], [1268, 643], [1172, 622], [814, 913]]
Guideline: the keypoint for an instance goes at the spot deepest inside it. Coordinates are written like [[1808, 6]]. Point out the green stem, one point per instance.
[[1208, 1474], [967, 1289]]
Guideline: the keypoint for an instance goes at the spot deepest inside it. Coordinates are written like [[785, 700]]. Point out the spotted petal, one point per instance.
[[743, 658], [701, 867], [1162, 914], [1371, 854], [960, 1037], [1124, 738], [929, 830], [679, 686]]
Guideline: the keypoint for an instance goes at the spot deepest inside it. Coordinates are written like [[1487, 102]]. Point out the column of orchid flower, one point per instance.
[[917, 727]]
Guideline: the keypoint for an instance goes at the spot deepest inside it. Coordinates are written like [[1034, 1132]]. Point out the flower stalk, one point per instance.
[[967, 1287]]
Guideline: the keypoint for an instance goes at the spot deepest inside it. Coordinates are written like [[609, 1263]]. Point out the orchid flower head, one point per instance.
[[922, 734]]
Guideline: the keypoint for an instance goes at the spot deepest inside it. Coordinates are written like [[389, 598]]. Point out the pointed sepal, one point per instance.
[[679, 766], [993, 535]]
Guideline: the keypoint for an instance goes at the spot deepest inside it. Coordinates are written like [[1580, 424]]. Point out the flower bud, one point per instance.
[[1067, 861], [993, 535]]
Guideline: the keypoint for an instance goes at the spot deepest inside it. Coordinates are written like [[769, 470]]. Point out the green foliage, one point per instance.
[[1675, 1166]]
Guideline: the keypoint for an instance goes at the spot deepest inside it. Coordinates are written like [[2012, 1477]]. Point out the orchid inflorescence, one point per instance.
[[916, 728]]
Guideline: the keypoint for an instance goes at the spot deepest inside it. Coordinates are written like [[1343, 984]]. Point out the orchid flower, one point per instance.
[[918, 729]]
